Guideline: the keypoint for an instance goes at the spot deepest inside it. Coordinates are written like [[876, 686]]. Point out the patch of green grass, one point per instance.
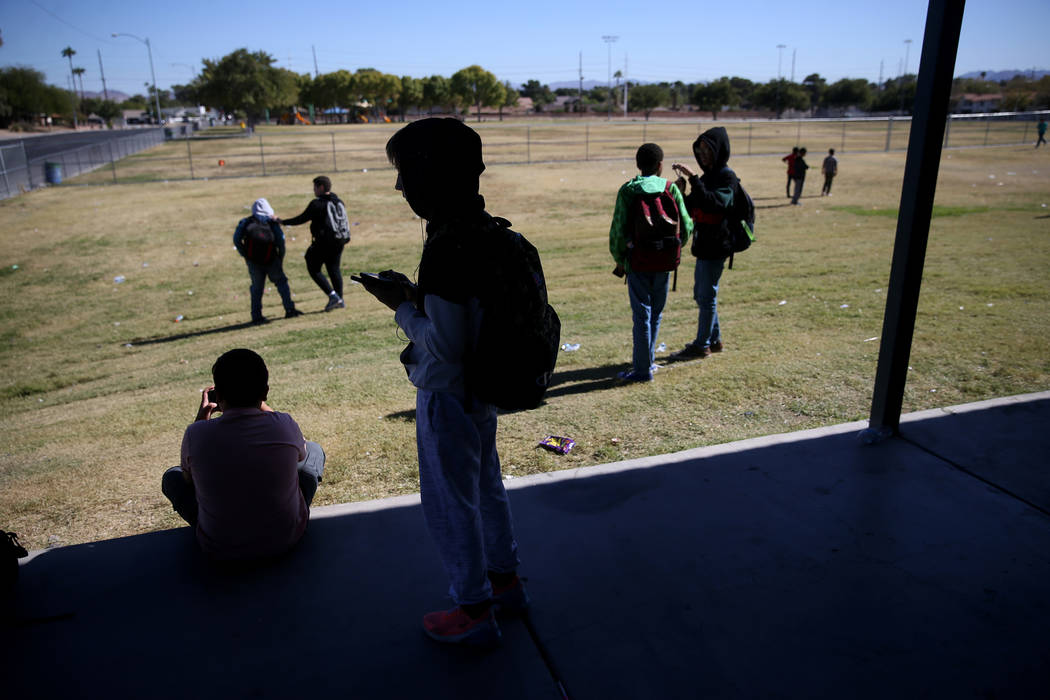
[[938, 211]]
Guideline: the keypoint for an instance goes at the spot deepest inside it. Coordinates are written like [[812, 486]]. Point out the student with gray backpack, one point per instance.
[[330, 230]]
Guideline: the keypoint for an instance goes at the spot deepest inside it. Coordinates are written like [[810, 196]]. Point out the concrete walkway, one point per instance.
[[802, 565]]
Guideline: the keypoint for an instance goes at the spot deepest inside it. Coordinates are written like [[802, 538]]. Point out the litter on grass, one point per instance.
[[570, 347], [556, 443], [868, 340], [844, 306], [662, 347], [782, 302], [118, 279], [179, 318]]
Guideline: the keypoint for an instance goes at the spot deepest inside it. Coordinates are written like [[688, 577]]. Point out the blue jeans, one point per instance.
[[464, 503], [275, 272], [647, 292], [705, 291], [183, 495]]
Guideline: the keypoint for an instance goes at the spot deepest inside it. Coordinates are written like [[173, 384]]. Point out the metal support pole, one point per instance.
[[939, 47], [987, 127], [750, 126], [645, 132], [798, 132], [587, 142], [528, 144], [843, 146], [335, 166], [262, 158], [1024, 139], [3, 168], [189, 154], [113, 162], [947, 130], [889, 131]]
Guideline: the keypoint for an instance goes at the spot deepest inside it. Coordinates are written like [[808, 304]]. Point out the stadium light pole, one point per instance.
[[149, 50], [609, 39], [907, 51], [780, 57]]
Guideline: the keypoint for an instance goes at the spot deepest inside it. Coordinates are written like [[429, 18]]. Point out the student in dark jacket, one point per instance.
[[260, 269], [800, 174], [324, 249], [709, 200]]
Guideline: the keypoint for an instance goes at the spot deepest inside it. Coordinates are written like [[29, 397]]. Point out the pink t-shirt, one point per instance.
[[244, 469]]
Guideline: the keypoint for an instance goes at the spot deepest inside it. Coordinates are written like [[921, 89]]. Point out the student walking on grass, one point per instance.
[[260, 241], [330, 233], [800, 175], [790, 160], [709, 201], [465, 505], [650, 224], [830, 168]]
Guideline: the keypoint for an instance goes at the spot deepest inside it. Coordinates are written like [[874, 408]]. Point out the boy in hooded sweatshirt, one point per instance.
[[646, 291], [259, 269], [709, 201], [465, 505], [324, 248]]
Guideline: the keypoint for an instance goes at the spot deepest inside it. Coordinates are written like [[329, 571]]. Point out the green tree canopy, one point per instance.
[[510, 98], [376, 87], [248, 82], [780, 95], [410, 94], [816, 86], [846, 93], [24, 96], [540, 94], [713, 96], [646, 98], [435, 93], [474, 85]]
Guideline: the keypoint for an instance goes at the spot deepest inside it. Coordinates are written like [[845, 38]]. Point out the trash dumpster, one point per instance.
[[53, 173]]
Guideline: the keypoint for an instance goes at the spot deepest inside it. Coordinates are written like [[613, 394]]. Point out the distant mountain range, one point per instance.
[[114, 95], [998, 75]]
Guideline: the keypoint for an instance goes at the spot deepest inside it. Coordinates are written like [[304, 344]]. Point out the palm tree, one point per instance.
[[68, 52], [79, 72]]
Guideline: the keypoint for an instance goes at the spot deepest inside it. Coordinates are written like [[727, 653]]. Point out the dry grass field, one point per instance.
[[98, 380]]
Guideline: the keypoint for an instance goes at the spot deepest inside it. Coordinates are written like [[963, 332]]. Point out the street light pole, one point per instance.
[[780, 57], [609, 39], [153, 75]]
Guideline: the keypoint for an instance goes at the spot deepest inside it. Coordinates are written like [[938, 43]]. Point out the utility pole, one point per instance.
[[105, 92], [907, 51], [780, 60], [609, 39], [793, 64], [581, 80], [315, 60], [881, 61]]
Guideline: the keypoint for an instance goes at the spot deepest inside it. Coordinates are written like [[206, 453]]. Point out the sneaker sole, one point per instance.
[[487, 636]]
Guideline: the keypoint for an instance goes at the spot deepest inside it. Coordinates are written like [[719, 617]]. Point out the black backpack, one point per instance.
[[512, 364], [741, 222], [258, 242], [655, 243]]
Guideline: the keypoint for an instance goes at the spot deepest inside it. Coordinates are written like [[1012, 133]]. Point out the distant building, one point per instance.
[[978, 104]]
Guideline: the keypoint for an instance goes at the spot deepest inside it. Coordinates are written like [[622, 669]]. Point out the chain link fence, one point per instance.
[[272, 151]]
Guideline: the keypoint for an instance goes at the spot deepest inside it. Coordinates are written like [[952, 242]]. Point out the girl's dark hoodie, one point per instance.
[[711, 197]]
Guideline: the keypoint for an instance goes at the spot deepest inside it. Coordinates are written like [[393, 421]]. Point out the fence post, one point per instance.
[[3, 167], [889, 131], [587, 141], [987, 127], [645, 131], [843, 146], [113, 161], [189, 154], [1024, 139], [262, 158], [798, 131], [80, 168], [528, 144], [335, 167]]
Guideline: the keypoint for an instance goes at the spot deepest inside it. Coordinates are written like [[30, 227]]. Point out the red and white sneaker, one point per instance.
[[455, 626]]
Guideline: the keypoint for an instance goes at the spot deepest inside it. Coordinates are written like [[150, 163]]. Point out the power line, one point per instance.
[[68, 24]]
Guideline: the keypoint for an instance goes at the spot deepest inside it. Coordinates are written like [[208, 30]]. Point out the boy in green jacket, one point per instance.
[[647, 267]]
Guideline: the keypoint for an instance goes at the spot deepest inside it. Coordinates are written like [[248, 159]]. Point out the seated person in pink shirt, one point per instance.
[[246, 478]]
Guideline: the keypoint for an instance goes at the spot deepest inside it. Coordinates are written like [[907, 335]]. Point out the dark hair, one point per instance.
[[648, 157], [437, 144], [324, 182], [241, 378], [802, 151], [831, 151], [795, 149]]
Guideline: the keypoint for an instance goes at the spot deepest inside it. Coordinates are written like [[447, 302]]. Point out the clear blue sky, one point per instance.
[[541, 39]]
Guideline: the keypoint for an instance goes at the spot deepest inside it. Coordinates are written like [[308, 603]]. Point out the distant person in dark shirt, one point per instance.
[[800, 175], [790, 160], [830, 168], [326, 248], [1042, 132]]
